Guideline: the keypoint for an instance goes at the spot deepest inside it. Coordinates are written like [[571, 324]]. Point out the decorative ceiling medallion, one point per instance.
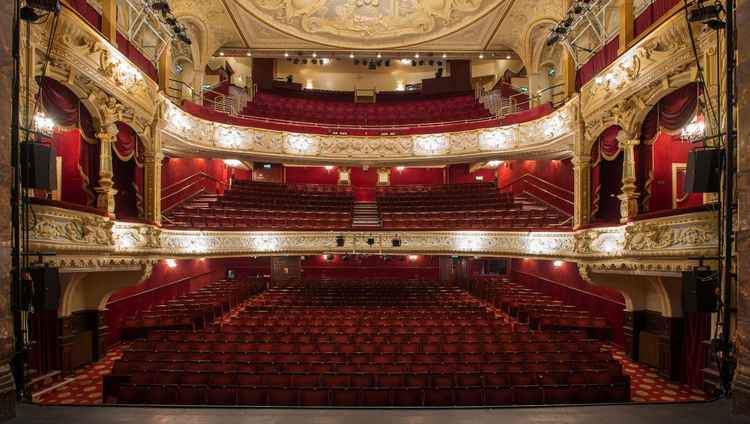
[[375, 24]]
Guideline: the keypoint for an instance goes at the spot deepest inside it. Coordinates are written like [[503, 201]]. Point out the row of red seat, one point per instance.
[[279, 342], [194, 309], [443, 109], [537, 309], [372, 397]]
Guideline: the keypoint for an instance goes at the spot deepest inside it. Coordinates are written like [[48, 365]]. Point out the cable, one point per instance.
[[707, 99]]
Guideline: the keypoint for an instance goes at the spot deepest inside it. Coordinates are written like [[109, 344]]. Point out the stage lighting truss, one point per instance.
[[583, 30], [149, 26]]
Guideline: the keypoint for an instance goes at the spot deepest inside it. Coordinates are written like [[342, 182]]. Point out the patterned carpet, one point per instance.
[[85, 387]]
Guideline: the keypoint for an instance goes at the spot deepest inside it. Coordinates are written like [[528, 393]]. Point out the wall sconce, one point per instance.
[[557, 264], [171, 263]]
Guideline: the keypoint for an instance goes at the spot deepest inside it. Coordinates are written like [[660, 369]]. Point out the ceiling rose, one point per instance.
[[369, 24]]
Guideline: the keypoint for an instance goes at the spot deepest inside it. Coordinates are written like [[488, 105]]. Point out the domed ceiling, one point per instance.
[[370, 24]]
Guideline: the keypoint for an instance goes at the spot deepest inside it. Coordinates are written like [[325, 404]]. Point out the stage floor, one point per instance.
[[682, 413]]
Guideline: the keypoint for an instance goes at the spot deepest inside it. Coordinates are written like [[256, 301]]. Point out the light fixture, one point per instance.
[[693, 131], [314, 54], [351, 55], [44, 124], [557, 264], [171, 263], [232, 163], [328, 168], [396, 242], [413, 258], [328, 257], [249, 53], [416, 55], [405, 61], [481, 55], [494, 163], [379, 55], [286, 54], [325, 61], [444, 55], [507, 57], [399, 168], [202, 259], [370, 241], [340, 241], [221, 53]]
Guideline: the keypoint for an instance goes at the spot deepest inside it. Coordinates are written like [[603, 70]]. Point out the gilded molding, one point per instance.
[[551, 136], [668, 240]]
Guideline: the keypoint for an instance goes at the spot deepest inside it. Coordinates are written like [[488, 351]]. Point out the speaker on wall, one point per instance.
[[40, 166], [699, 291], [46, 282], [703, 171]]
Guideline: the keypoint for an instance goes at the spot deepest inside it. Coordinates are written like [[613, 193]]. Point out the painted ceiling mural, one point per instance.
[[371, 23]]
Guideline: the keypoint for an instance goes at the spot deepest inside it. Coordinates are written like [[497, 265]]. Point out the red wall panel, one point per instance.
[[370, 267], [311, 175], [557, 172], [273, 174], [411, 176], [459, 174], [666, 151], [564, 282]]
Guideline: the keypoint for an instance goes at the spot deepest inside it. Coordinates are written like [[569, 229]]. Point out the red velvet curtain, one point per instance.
[[127, 166], [88, 12], [606, 176], [597, 63], [653, 12], [697, 329], [669, 116], [76, 142]]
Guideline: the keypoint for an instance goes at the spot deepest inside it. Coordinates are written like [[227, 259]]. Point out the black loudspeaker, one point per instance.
[[46, 288], [703, 171], [699, 291], [40, 165]]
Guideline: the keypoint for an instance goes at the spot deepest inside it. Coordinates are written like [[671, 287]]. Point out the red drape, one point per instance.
[[653, 12], [662, 125], [694, 360], [135, 56], [597, 63], [595, 179], [127, 164], [80, 154], [609, 146], [88, 12]]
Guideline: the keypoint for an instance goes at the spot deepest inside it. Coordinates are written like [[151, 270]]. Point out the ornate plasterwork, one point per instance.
[[662, 240], [550, 136], [624, 92], [378, 23]]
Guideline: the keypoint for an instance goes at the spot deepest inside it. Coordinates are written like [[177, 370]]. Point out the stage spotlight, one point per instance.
[[161, 6], [439, 63], [356, 61], [340, 241], [413, 63], [315, 61], [388, 62], [421, 63], [568, 21], [304, 61], [396, 242], [296, 61], [552, 39], [579, 7], [431, 62], [705, 13], [345, 258], [371, 66], [560, 30], [370, 241], [171, 20]]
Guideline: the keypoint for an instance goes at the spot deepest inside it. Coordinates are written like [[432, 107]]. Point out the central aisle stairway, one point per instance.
[[365, 215]]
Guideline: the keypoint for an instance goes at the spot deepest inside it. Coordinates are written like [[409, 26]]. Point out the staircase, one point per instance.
[[365, 215]]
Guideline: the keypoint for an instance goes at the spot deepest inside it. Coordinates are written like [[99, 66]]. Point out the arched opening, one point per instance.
[[75, 143], [662, 155], [127, 167], [606, 176]]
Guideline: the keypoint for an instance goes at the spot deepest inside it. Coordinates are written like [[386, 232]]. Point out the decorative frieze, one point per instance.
[[663, 240], [550, 136]]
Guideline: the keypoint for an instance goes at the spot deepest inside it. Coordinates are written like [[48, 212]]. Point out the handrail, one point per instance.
[[199, 173], [187, 199], [528, 174], [171, 283], [547, 280]]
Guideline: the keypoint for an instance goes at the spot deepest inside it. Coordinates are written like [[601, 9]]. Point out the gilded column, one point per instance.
[[628, 196], [152, 190], [106, 192], [627, 24], [581, 190]]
